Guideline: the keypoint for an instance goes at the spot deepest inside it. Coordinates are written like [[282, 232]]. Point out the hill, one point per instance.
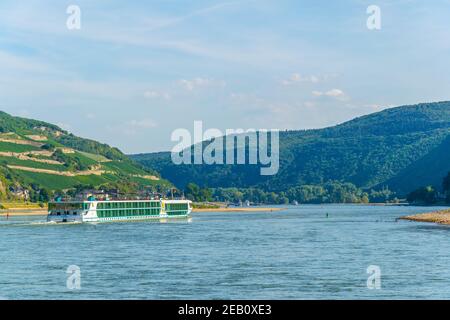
[[400, 148], [40, 158]]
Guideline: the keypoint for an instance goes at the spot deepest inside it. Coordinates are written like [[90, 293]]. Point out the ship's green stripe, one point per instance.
[[137, 217], [115, 209]]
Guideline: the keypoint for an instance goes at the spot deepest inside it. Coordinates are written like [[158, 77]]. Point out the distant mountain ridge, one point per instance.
[[37, 157], [401, 148]]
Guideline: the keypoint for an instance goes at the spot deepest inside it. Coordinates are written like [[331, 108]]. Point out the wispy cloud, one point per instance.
[[142, 123], [195, 83], [333, 93], [134, 127], [229, 63], [153, 94], [298, 78]]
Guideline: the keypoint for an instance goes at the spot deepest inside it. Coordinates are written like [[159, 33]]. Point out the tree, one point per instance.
[[423, 195], [205, 194], [44, 195], [446, 187], [192, 191]]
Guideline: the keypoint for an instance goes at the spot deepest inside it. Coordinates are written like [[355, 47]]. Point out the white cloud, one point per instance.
[[337, 94], [298, 78], [151, 94], [317, 93], [132, 127], [192, 84]]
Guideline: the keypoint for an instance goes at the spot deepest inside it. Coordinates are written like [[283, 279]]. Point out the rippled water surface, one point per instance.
[[299, 253]]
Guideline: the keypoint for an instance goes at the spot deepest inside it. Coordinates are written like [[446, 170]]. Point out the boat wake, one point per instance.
[[19, 223]]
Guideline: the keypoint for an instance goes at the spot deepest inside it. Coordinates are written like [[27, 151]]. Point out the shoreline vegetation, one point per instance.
[[440, 217]]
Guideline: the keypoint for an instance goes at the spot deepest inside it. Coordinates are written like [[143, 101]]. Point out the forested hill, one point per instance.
[[401, 148], [39, 158]]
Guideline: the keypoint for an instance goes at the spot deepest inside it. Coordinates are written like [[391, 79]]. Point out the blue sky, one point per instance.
[[136, 71]]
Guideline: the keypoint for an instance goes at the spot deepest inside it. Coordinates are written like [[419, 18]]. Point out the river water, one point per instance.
[[304, 252]]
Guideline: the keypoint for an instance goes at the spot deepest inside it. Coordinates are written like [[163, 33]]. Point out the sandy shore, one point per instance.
[[23, 212], [238, 209], [442, 217]]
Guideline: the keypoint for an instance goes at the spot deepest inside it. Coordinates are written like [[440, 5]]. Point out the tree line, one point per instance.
[[428, 195], [329, 192]]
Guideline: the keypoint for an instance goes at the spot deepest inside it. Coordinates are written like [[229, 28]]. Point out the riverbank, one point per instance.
[[23, 212], [43, 212], [237, 209], [441, 217]]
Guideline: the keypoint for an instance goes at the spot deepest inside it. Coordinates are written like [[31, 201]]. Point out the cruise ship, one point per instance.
[[93, 210]]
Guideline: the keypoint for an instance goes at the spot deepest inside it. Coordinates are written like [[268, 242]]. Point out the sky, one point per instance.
[[136, 71]]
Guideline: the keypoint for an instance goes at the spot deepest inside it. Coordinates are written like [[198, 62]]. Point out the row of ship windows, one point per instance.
[[127, 205], [176, 206], [68, 206], [122, 213], [140, 212], [117, 205]]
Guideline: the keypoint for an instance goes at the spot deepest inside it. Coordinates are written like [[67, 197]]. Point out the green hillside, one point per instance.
[[40, 158], [400, 148]]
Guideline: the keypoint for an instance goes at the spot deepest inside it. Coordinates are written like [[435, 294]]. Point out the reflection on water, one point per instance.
[[302, 253]]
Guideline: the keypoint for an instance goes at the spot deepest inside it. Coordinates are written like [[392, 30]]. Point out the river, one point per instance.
[[304, 252]]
